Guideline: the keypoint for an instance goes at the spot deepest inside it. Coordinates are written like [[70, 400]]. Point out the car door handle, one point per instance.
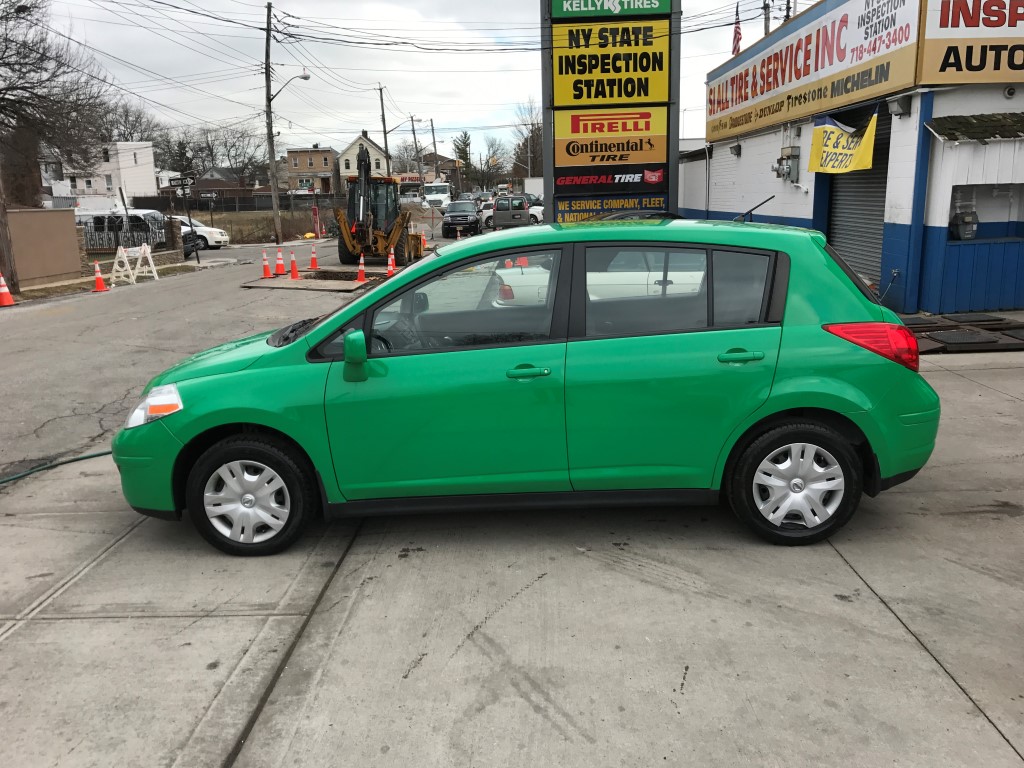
[[527, 372], [740, 356]]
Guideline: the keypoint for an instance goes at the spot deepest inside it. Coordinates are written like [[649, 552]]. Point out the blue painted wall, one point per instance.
[[971, 275]]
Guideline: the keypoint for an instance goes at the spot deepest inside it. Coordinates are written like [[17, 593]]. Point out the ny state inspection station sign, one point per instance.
[[611, 88]]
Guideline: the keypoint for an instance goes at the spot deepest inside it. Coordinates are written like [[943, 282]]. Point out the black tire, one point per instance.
[[534, 219], [741, 493], [299, 491], [488, 221], [203, 243], [345, 257], [402, 251], [445, 232]]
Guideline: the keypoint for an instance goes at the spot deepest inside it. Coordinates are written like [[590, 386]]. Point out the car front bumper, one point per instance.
[[145, 459]]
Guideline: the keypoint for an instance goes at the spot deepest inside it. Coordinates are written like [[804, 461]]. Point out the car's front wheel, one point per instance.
[[488, 221], [203, 243], [796, 484], [250, 495], [534, 219]]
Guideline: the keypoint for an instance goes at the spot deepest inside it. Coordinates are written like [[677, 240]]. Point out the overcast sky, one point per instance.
[[201, 61]]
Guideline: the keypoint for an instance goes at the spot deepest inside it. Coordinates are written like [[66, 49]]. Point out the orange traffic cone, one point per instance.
[[361, 275], [266, 266], [423, 240], [312, 260], [100, 285], [295, 269], [6, 300], [279, 266], [391, 262], [323, 231]]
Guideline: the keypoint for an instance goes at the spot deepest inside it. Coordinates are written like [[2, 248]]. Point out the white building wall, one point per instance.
[[899, 188], [976, 100], [740, 183], [692, 187], [134, 168], [953, 164]]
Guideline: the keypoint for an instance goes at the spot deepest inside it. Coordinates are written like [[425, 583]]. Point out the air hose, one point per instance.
[[41, 467]]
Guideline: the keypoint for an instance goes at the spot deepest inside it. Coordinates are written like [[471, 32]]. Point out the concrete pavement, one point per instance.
[[623, 637]]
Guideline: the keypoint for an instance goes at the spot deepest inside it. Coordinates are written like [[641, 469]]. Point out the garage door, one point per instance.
[[857, 204]]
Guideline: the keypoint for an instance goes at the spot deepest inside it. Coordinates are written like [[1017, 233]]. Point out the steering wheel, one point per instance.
[[380, 343]]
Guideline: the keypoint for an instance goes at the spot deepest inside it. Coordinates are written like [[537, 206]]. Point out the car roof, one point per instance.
[[725, 233]]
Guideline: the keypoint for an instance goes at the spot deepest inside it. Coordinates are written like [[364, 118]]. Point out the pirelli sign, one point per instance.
[[613, 119], [611, 136]]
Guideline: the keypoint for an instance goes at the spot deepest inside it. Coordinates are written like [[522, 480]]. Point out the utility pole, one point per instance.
[[271, 152], [384, 125], [788, 14], [767, 8], [433, 138], [416, 147]]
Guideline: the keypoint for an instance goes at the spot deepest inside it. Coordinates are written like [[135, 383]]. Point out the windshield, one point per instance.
[[416, 268], [435, 189], [462, 206]]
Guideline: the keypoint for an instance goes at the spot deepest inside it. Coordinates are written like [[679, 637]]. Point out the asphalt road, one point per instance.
[[628, 637]]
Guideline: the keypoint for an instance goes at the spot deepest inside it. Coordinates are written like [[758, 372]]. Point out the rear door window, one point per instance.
[[740, 281]]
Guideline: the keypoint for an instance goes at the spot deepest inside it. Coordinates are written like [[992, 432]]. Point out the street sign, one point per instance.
[[183, 191], [186, 180], [208, 195]]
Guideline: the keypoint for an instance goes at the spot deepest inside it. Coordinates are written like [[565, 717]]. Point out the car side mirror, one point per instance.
[[355, 347], [420, 302]]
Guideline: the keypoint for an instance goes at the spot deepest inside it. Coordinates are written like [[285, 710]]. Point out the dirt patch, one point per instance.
[[334, 275]]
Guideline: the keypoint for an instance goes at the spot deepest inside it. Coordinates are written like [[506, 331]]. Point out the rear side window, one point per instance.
[[854, 277], [638, 292], [740, 281]]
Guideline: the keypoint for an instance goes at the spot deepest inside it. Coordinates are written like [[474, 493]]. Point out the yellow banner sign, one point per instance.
[[838, 149], [610, 63], [611, 136]]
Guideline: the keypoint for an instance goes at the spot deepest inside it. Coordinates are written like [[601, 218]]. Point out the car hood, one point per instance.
[[231, 357]]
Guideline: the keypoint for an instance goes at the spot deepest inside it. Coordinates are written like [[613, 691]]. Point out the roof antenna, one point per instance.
[[743, 216]]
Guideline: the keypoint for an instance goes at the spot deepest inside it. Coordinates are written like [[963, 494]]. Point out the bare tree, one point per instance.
[[47, 87], [527, 158], [244, 151], [126, 120], [172, 148], [403, 157]]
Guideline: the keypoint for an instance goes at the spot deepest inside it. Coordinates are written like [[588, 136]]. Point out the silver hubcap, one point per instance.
[[247, 501], [798, 486]]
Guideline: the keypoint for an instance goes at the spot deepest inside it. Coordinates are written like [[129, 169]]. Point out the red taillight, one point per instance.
[[505, 292], [889, 340], [522, 261]]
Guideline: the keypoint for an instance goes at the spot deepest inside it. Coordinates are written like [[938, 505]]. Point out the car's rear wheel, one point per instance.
[[488, 221], [533, 219], [796, 484], [250, 495]]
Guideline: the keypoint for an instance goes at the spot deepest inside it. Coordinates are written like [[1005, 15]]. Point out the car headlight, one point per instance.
[[158, 402], [222, 233]]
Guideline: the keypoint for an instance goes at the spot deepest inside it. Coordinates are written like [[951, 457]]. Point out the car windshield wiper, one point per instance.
[[290, 333]]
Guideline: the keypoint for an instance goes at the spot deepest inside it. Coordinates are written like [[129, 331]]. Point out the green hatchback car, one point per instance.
[[590, 364]]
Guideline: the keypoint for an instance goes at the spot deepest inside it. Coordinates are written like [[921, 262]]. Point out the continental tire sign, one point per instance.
[[611, 136]]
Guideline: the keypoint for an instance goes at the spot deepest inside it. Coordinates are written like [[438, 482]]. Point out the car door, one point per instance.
[[461, 394], [657, 380]]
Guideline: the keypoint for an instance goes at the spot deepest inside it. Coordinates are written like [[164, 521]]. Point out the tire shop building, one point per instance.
[[893, 126]]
